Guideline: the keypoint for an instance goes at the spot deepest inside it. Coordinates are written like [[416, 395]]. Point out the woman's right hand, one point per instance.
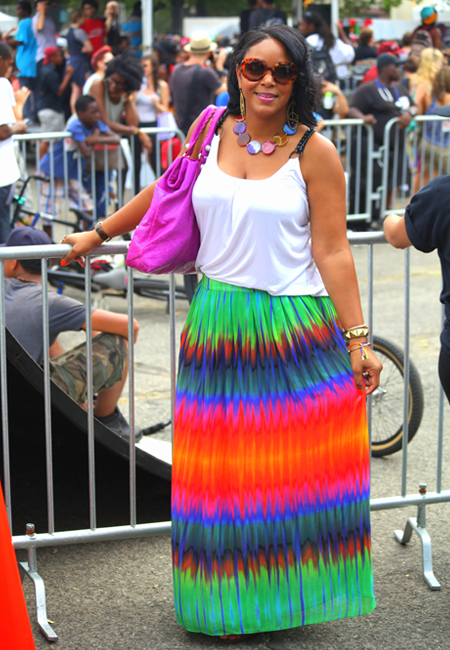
[[82, 243]]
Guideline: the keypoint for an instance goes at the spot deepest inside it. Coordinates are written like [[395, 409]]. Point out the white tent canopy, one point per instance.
[[6, 22], [147, 19]]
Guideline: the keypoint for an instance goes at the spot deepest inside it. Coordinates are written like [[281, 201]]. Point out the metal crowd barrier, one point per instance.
[[354, 143], [53, 537], [113, 172], [410, 158], [353, 140]]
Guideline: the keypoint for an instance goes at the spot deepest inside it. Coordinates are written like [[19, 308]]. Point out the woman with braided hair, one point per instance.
[[270, 479]]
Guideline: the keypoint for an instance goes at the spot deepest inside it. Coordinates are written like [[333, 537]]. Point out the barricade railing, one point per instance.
[[32, 541], [354, 143], [109, 176], [106, 178], [411, 157]]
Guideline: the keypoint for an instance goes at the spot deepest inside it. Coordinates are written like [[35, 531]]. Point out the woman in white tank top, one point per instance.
[[151, 100], [270, 478]]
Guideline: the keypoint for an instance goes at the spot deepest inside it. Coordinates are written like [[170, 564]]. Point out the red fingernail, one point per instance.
[[63, 263]]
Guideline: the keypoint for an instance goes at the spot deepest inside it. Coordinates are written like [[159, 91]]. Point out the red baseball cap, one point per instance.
[[48, 53], [388, 47]]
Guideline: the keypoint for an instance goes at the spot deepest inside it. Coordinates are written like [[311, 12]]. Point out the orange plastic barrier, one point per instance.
[[15, 628]]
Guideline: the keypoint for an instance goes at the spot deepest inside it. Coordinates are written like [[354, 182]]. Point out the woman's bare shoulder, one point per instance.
[[320, 154], [97, 87]]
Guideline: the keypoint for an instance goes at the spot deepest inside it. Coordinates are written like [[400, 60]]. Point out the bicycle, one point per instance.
[[84, 221], [387, 400], [106, 277]]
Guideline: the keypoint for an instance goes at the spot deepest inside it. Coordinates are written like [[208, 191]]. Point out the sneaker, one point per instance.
[[117, 423]]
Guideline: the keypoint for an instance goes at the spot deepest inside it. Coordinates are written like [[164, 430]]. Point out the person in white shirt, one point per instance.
[[9, 171], [317, 33]]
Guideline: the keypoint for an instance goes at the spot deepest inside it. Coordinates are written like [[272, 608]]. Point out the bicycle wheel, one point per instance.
[[387, 400]]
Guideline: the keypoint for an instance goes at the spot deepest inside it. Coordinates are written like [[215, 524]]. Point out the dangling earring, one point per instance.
[[242, 104], [290, 128]]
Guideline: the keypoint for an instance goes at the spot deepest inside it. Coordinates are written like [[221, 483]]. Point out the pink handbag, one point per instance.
[[167, 239]]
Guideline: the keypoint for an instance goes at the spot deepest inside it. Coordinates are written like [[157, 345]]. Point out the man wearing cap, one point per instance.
[[23, 317], [52, 84], [426, 226], [193, 85], [429, 16], [376, 103]]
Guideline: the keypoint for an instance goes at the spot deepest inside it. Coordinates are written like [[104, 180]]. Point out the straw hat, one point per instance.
[[200, 43]]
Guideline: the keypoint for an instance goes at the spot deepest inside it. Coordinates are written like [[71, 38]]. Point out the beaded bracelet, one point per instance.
[[355, 346]]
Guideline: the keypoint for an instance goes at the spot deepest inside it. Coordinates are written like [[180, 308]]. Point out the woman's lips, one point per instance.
[[266, 97]]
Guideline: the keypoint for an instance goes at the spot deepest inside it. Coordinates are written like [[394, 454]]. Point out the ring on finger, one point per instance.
[[63, 239]]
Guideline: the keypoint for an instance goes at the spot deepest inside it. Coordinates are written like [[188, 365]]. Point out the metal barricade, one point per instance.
[[32, 541], [53, 537], [106, 179], [410, 158], [353, 140], [423, 498]]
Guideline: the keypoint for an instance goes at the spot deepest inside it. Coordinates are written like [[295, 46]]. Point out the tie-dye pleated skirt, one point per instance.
[[270, 494]]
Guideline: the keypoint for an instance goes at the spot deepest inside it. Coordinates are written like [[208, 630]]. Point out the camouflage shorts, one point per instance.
[[109, 356]]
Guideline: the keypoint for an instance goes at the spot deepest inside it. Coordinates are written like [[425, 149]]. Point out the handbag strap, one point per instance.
[[210, 111], [206, 146]]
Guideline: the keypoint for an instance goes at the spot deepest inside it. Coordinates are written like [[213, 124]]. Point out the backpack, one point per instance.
[[275, 18], [323, 64], [421, 40]]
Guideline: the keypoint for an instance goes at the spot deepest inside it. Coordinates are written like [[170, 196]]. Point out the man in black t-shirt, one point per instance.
[[426, 226], [376, 103], [194, 86], [366, 48]]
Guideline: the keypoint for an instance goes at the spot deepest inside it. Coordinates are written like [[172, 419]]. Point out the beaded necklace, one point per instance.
[[268, 147]]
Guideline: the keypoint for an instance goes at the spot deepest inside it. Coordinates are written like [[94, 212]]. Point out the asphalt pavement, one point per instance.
[[118, 595]]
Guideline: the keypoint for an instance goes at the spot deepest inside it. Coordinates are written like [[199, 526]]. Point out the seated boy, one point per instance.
[[23, 317], [87, 131]]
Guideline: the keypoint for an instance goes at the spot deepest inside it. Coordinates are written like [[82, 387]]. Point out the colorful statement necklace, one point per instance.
[[253, 146]]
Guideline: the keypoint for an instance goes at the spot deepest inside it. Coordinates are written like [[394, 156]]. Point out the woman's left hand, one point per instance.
[[146, 141], [365, 371]]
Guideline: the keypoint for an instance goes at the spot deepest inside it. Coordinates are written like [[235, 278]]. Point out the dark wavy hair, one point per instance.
[[305, 87], [129, 68], [321, 28]]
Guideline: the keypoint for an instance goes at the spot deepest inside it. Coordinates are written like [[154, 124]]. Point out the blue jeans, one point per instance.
[[101, 192], [5, 222]]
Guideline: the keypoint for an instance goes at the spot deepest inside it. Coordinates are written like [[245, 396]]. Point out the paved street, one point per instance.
[[117, 595]]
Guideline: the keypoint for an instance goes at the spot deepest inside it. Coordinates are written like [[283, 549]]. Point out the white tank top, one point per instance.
[[256, 233]]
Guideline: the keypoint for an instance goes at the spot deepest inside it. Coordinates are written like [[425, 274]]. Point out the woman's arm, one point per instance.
[[87, 47], [324, 177], [127, 218], [162, 103]]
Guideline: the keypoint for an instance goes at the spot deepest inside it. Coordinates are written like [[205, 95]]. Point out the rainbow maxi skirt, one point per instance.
[[270, 488]]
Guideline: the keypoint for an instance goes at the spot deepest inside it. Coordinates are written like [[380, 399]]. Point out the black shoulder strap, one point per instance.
[[302, 144], [221, 120], [187, 121]]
